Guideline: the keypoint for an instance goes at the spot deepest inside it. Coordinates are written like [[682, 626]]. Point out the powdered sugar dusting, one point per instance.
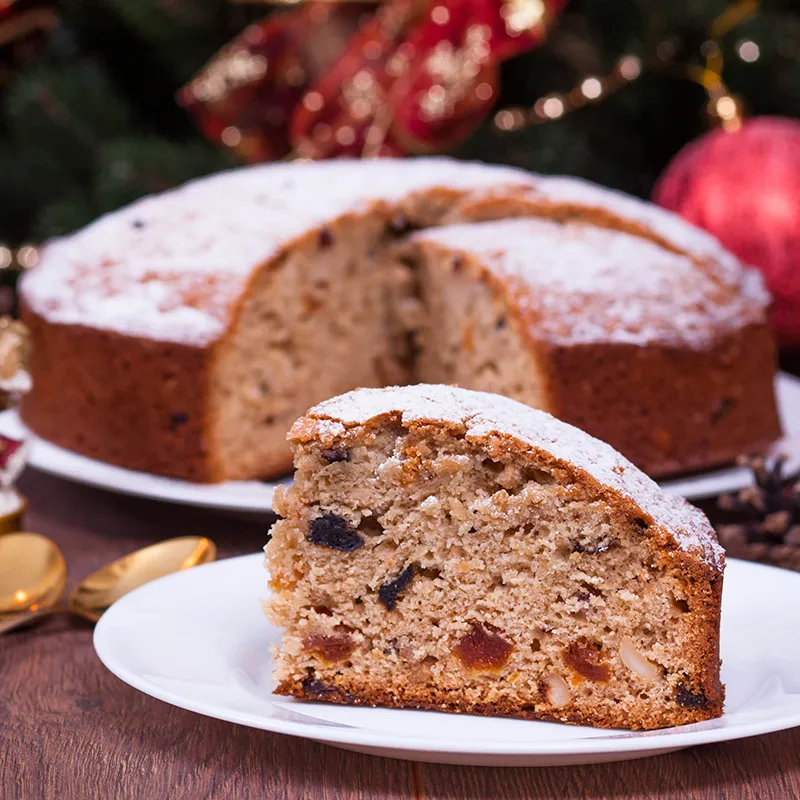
[[172, 266], [484, 414], [577, 283]]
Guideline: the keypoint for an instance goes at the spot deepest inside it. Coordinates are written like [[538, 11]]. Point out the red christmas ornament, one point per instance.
[[245, 96], [744, 188], [414, 76]]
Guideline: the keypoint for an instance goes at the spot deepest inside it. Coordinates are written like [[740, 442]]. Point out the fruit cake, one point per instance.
[[450, 549], [183, 334]]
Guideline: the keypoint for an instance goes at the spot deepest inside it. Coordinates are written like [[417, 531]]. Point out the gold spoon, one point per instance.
[[33, 567], [33, 573]]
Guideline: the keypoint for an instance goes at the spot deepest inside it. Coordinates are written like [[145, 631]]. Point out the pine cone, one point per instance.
[[767, 514]]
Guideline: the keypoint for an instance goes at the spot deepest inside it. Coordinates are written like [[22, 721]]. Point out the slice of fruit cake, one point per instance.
[[456, 550]]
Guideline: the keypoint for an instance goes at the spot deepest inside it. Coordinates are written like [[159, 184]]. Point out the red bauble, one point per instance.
[[744, 188]]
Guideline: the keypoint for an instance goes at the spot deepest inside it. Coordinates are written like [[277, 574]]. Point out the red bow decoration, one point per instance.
[[418, 76]]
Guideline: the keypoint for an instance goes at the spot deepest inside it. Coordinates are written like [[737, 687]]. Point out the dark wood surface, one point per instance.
[[70, 729]]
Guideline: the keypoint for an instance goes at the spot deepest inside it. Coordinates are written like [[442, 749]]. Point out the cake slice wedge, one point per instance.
[[457, 550]]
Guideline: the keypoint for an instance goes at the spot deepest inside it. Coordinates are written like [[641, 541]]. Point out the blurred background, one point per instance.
[[692, 102]]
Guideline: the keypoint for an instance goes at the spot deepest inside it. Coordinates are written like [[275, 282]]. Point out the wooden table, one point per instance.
[[70, 729]]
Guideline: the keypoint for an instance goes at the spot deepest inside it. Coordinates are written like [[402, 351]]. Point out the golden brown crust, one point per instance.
[[345, 691], [669, 409], [126, 400]]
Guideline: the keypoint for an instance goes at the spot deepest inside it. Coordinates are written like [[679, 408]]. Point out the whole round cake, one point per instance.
[[183, 334]]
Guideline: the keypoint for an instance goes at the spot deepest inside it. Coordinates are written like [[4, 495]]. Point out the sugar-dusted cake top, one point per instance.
[[579, 283], [172, 266], [483, 415]]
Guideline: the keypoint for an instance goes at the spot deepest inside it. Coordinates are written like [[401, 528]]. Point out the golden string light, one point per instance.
[[22, 258], [590, 90], [723, 106]]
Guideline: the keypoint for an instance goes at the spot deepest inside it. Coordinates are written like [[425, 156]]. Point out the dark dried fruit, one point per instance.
[[689, 699], [313, 686], [325, 238], [334, 454], [482, 649], [721, 409], [500, 324], [387, 594], [177, 419], [458, 263], [413, 348], [324, 691], [592, 590], [587, 661], [138, 224], [331, 530], [330, 649]]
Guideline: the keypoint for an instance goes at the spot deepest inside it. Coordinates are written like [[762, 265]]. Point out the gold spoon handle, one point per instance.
[[14, 621]]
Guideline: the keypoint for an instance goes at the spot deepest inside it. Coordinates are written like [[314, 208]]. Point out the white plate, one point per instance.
[[198, 640], [256, 496]]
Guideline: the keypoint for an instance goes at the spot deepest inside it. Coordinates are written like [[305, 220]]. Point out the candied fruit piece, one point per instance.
[[331, 530], [690, 699], [481, 648], [587, 661], [387, 594], [334, 454], [330, 648]]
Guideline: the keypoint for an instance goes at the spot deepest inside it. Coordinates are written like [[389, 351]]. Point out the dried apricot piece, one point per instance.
[[587, 661], [482, 649]]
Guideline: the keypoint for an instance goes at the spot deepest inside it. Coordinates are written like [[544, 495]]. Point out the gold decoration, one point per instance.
[[454, 69], [362, 95], [235, 70], [14, 349], [13, 506]]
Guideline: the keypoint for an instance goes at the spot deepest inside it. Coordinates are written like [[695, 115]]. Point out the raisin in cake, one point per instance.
[[450, 549], [183, 334]]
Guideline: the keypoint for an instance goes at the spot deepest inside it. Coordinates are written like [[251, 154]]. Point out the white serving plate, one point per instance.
[[198, 640], [256, 496]]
